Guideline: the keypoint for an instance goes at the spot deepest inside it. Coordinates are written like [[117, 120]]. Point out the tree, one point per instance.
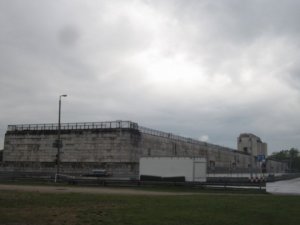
[[294, 158]]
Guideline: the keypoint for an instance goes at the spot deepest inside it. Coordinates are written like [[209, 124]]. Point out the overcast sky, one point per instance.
[[208, 70]]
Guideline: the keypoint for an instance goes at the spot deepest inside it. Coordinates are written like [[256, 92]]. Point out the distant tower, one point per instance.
[[251, 144]]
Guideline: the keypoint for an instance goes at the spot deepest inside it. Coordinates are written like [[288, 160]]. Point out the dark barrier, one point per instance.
[[173, 179], [150, 178], [163, 179]]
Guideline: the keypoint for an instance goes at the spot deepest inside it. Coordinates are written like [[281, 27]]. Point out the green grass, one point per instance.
[[46, 208]]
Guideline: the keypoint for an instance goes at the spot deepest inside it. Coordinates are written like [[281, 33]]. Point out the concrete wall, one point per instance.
[[276, 166], [116, 149], [219, 159], [113, 145], [111, 149]]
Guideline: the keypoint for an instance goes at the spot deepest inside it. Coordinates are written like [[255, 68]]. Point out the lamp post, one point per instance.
[[251, 150], [58, 139]]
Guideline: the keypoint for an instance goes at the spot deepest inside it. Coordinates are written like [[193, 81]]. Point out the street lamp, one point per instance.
[[58, 140], [251, 151]]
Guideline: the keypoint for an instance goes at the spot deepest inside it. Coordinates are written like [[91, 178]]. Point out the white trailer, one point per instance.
[[193, 169]]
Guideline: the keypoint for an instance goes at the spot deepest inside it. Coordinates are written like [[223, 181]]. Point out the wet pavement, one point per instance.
[[284, 187]]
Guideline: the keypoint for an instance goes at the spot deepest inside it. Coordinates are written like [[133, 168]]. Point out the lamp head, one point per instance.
[[63, 95]]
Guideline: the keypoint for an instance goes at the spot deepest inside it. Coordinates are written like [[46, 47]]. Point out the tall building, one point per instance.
[[252, 144]]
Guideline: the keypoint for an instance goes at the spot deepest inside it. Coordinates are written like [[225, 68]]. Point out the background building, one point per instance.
[[251, 144]]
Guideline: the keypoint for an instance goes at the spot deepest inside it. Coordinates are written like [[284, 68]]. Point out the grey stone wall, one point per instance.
[[117, 149], [83, 150], [109, 145], [276, 166], [219, 159]]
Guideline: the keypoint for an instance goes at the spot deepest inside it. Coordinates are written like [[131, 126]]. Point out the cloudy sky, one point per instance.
[[198, 68]]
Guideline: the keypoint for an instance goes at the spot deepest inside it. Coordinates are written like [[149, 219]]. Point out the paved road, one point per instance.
[[285, 187], [279, 187], [92, 190]]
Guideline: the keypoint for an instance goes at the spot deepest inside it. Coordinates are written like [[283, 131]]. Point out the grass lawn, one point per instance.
[[70, 208]]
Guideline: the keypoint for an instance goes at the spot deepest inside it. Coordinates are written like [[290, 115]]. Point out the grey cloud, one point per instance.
[[294, 76], [234, 19], [234, 64], [68, 35]]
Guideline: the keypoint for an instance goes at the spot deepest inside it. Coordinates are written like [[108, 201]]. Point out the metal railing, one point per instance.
[[157, 133], [170, 136], [74, 126]]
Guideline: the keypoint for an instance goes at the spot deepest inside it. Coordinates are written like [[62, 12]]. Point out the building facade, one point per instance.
[[251, 144], [116, 146]]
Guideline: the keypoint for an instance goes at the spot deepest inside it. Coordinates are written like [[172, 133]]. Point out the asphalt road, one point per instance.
[[285, 187], [290, 187]]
